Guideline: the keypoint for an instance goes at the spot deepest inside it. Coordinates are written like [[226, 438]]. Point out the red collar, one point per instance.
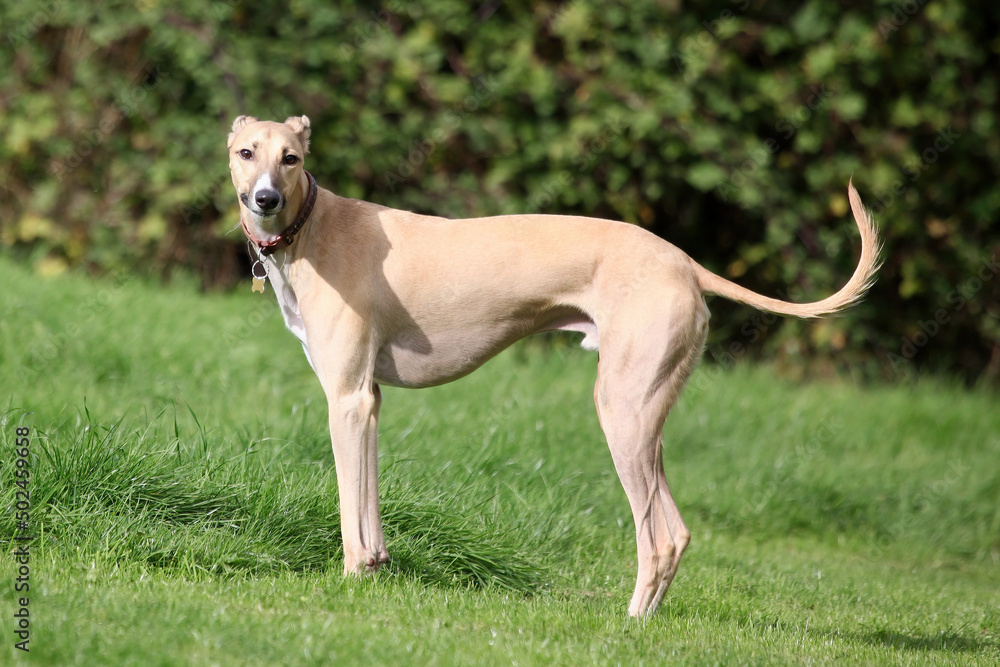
[[287, 235]]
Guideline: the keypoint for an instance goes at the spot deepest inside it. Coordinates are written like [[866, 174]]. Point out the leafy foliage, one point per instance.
[[730, 128]]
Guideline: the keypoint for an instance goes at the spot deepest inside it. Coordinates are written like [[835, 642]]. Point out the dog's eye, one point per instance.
[[291, 159], [246, 154]]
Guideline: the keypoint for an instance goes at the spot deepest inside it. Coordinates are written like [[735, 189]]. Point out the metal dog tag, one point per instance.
[[258, 281]]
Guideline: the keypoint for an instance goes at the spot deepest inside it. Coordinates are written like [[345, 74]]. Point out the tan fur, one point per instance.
[[383, 296]]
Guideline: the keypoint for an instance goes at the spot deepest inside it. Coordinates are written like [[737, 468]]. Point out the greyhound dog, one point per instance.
[[383, 296]]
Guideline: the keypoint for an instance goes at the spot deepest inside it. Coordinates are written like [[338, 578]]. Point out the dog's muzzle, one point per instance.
[[267, 200]]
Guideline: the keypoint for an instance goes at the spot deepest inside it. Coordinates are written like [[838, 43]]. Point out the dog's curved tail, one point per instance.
[[849, 294]]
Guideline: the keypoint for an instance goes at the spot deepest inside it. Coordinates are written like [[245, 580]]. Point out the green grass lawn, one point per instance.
[[184, 496]]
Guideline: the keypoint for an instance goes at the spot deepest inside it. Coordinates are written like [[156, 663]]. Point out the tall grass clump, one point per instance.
[[129, 493]]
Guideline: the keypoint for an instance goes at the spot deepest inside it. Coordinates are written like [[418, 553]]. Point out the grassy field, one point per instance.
[[183, 495]]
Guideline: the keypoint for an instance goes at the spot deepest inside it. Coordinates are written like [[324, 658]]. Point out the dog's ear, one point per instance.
[[300, 126], [239, 124]]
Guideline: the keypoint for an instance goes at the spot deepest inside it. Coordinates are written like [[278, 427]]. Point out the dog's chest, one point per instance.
[[277, 272]]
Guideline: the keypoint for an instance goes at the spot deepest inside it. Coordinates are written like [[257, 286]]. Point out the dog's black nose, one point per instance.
[[267, 200]]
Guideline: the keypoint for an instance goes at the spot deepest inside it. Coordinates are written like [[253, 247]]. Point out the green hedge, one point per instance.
[[730, 128]]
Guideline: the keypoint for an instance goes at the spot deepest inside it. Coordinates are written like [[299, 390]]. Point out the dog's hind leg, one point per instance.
[[639, 379]]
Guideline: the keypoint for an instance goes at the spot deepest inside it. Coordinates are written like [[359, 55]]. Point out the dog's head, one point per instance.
[[266, 161]]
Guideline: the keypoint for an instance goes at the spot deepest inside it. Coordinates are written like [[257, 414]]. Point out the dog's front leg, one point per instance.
[[353, 430]]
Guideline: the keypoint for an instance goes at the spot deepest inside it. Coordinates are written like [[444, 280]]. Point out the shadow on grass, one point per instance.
[[948, 640]]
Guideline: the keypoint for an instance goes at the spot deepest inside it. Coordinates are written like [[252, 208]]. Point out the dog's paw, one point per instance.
[[368, 564], [376, 560]]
